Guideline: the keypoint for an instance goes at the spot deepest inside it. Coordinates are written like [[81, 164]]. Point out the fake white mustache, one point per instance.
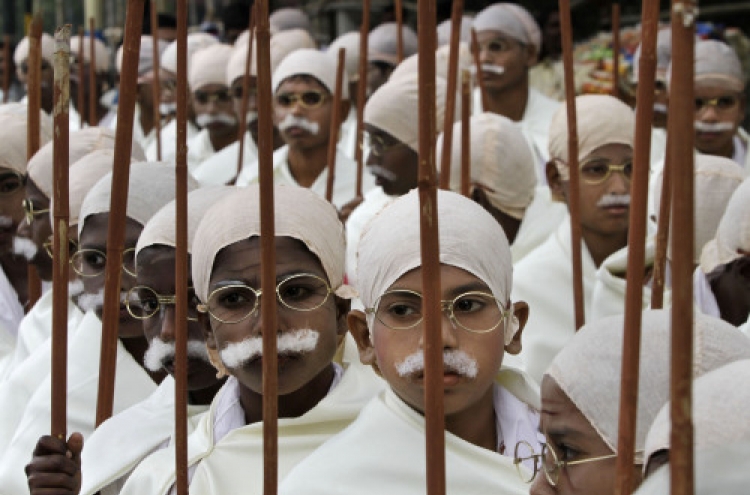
[[75, 288], [713, 127], [660, 108], [379, 171], [5, 222], [614, 200], [299, 341], [205, 119], [301, 122], [496, 69], [456, 361], [250, 117], [91, 302], [160, 353], [24, 247], [167, 108]]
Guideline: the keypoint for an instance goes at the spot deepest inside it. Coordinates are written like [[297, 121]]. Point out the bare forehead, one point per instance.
[[244, 258], [301, 82]]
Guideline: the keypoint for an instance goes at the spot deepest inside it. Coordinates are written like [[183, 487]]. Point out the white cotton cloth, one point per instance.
[[374, 201], [350, 43], [208, 65], [717, 64], [541, 219], [47, 44], [169, 141], [101, 53], [195, 41], [145, 56], [288, 18], [11, 314], [588, 368], [151, 186], [13, 118], [512, 20], [510, 181], [663, 55], [200, 149], [382, 43], [221, 167], [410, 66], [348, 135], [310, 62], [733, 232], [386, 253], [299, 213], [720, 399], [703, 296], [444, 31]]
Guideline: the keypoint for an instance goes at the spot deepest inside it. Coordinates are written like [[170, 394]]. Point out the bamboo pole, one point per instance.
[[466, 134], [93, 103], [399, 11], [364, 30], [616, 50], [430, 252], [118, 202], [60, 264], [631, 348], [6, 68], [574, 185], [662, 229], [245, 94], [81, 97], [682, 95], [333, 135], [450, 96], [34, 102], [478, 66], [155, 83]]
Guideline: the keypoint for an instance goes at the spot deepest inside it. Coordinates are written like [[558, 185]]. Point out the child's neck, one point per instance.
[[477, 424]]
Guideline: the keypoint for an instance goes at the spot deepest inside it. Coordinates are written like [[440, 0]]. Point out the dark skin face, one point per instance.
[[12, 193], [303, 380], [496, 48], [391, 154], [377, 75], [252, 105], [730, 284], [75, 80], [213, 107], [718, 143], [509, 224], [47, 79], [39, 230]]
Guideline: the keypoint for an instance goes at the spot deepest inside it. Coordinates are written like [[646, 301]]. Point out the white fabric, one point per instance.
[[208, 65], [195, 42], [200, 149], [716, 63], [741, 155], [350, 43], [374, 201], [703, 296], [663, 55], [47, 44], [388, 438], [169, 141], [444, 31], [140, 138], [348, 135], [221, 167], [733, 232], [542, 218], [100, 52], [13, 118], [382, 43], [512, 20], [288, 18], [11, 314], [310, 62], [145, 56]]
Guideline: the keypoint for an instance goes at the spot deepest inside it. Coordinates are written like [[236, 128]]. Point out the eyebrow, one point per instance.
[[469, 287], [279, 278]]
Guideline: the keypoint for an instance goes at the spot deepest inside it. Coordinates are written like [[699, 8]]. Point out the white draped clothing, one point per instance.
[[541, 218], [348, 135], [140, 137], [200, 149], [221, 167], [375, 200], [169, 141], [742, 150]]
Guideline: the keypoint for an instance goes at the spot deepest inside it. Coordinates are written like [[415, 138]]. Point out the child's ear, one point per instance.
[[361, 333], [521, 313]]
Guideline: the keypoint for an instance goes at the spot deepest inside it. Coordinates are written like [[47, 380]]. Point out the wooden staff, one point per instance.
[[466, 134], [118, 204], [181, 255], [6, 68], [631, 348], [60, 264], [333, 136], [478, 65], [34, 99], [155, 83], [245, 95], [574, 185], [364, 30], [430, 251], [662, 229], [399, 11], [681, 95], [81, 97], [93, 103], [450, 96], [616, 50]]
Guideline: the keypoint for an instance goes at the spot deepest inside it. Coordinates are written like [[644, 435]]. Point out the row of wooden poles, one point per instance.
[[677, 191]]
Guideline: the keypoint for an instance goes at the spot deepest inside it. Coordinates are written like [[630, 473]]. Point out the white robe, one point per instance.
[[132, 385], [348, 135], [136, 432], [11, 314], [375, 200], [236, 460], [541, 218], [169, 141], [140, 137], [742, 150], [221, 167], [383, 451]]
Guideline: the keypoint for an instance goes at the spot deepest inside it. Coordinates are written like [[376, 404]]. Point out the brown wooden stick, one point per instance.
[[616, 50], [478, 65], [60, 264], [333, 136], [662, 230], [155, 83], [34, 102], [118, 203], [466, 134], [6, 67], [450, 96], [245, 94], [93, 101], [573, 201], [81, 97], [682, 95], [399, 11], [631, 352], [361, 96]]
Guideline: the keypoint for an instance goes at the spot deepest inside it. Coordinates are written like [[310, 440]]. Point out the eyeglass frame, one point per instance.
[[381, 147], [47, 245], [512, 43], [29, 212], [611, 167], [124, 268], [216, 96], [161, 299], [296, 99], [714, 103]]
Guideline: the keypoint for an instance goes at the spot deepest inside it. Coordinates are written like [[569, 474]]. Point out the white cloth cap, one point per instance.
[[151, 186], [309, 62], [444, 31], [14, 125], [588, 367], [733, 232], [299, 213], [601, 120], [382, 43], [195, 42], [145, 56], [716, 63], [81, 144], [350, 43], [47, 44], [282, 44], [209, 66], [716, 179], [511, 20], [288, 18], [465, 62], [720, 400], [394, 108], [390, 247], [82, 176], [160, 229], [100, 51], [663, 55], [501, 162]]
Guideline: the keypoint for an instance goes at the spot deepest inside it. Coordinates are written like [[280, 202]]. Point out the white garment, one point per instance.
[[344, 187], [383, 451], [221, 167], [200, 148], [11, 310], [237, 460], [169, 141], [375, 200], [348, 134], [144, 140], [741, 151], [541, 218], [136, 432], [703, 296]]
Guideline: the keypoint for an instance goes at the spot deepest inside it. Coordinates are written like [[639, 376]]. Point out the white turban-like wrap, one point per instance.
[[309, 62], [13, 122], [733, 232], [100, 51], [511, 20], [47, 44], [209, 66], [195, 42], [382, 43], [350, 43]]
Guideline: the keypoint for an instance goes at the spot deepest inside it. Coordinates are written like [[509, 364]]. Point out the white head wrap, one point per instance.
[[145, 56], [47, 44], [350, 43], [195, 42], [717, 63], [588, 367], [465, 61], [100, 51], [716, 179], [82, 143], [733, 232], [288, 18], [385, 252], [501, 162], [382, 43], [602, 119], [663, 55], [151, 186], [209, 66], [282, 44], [444, 31], [299, 214], [511, 20], [309, 62], [14, 125], [721, 399], [394, 108]]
